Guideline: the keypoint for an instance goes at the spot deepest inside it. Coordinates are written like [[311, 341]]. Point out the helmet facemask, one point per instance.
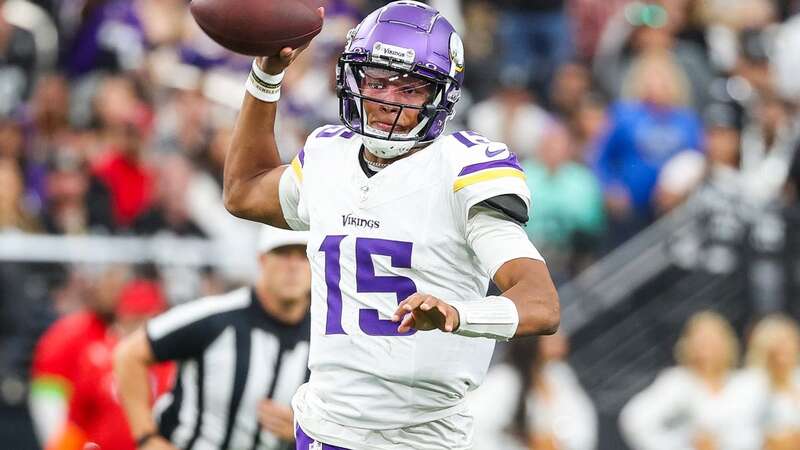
[[392, 107]]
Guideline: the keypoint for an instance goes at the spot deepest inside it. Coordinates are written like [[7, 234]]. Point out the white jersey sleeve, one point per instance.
[[290, 191], [482, 169], [290, 195], [496, 240]]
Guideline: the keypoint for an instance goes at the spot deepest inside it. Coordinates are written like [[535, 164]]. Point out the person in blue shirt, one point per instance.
[[645, 131]]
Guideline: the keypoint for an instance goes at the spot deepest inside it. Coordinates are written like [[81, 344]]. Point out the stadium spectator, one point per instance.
[[768, 149], [589, 18], [587, 125], [498, 404], [13, 214], [17, 65], [183, 124], [101, 35], [76, 201], [719, 169], [242, 355], [571, 83], [123, 164], [55, 367], [559, 413], [532, 399], [170, 212], [48, 113], [645, 131], [12, 141], [511, 116], [647, 27], [771, 384], [481, 47], [94, 413], [693, 405], [536, 39], [568, 211]]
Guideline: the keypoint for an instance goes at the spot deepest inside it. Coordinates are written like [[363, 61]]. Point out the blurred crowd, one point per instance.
[[707, 401], [115, 116]]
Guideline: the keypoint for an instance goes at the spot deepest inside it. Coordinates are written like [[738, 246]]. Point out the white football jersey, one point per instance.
[[373, 242]]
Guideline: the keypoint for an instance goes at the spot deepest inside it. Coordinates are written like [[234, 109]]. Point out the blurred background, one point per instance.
[[660, 142]]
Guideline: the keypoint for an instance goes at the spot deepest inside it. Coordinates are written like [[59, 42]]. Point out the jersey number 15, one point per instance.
[[399, 253]]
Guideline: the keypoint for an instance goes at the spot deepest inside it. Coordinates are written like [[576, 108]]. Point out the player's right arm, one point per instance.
[[253, 169]]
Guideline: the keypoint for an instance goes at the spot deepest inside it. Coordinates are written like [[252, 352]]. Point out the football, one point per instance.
[[258, 27]]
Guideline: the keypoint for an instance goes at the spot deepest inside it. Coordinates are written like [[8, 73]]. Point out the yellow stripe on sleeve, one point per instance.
[[298, 170], [486, 175]]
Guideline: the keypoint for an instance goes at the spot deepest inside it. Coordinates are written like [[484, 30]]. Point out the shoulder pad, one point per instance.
[[475, 158], [326, 136]]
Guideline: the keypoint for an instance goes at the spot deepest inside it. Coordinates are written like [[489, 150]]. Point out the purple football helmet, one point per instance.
[[404, 56]]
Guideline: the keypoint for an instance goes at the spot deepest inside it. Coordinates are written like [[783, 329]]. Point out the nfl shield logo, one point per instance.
[[315, 445]]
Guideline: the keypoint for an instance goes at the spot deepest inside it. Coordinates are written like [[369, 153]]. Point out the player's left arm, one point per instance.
[[529, 301], [525, 282]]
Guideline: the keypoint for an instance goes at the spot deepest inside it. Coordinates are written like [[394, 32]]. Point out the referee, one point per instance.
[[241, 357]]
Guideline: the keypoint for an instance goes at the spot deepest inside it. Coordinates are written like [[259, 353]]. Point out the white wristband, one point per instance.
[[264, 86], [494, 317], [265, 77]]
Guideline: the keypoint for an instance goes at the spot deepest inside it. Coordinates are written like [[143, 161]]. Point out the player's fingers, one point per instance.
[[414, 302], [408, 322], [286, 54], [406, 306], [429, 303], [449, 317]]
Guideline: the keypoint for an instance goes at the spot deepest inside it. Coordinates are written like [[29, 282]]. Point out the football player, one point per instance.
[[407, 227]]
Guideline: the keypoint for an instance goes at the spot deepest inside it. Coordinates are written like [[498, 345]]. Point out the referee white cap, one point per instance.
[[272, 238]]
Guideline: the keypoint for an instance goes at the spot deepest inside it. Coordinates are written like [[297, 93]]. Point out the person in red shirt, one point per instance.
[[126, 122], [55, 368], [130, 181], [95, 415]]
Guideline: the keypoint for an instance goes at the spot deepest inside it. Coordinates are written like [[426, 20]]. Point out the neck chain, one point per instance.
[[373, 164]]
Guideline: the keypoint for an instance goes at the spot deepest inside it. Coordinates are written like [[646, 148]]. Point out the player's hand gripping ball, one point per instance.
[[258, 27]]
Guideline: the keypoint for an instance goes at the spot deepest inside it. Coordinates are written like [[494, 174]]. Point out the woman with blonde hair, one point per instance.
[[774, 379], [691, 406]]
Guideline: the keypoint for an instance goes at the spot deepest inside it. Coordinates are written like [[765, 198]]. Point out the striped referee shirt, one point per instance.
[[232, 354]]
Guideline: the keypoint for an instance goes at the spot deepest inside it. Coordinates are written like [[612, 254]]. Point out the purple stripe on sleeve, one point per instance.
[[461, 138], [302, 156], [511, 162]]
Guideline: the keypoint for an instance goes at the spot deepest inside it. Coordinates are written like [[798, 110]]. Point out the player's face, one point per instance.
[[286, 272], [395, 87]]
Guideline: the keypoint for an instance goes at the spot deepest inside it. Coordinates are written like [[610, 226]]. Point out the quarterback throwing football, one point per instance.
[[406, 226]]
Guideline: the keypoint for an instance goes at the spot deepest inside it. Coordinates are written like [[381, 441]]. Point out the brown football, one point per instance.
[[258, 27]]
